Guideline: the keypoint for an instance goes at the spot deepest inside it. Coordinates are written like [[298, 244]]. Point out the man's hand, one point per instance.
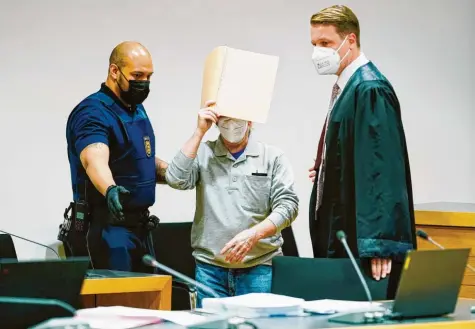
[[161, 170], [206, 117], [113, 198], [381, 267], [240, 245], [313, 173]]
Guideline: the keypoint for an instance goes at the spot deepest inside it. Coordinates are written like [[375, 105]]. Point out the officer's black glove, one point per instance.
[[113, 198]]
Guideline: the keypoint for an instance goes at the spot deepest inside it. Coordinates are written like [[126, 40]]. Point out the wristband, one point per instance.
[[110, 188]]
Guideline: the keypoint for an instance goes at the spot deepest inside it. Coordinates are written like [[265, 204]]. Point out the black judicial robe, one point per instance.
[[367, 182]]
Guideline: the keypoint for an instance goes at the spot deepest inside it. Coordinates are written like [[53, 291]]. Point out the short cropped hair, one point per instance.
[[342, 17]]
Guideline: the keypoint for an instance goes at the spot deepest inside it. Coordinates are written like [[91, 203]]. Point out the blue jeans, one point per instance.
[[232, 282]]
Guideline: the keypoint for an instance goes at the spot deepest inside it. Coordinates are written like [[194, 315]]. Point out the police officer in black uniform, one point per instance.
[[114, 170]]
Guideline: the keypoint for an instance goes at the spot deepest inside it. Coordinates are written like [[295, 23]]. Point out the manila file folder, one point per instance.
[[240, 82]]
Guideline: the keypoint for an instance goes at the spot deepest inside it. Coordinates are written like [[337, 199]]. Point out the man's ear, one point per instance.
[[249, 128], [114, 71], [352, 40]]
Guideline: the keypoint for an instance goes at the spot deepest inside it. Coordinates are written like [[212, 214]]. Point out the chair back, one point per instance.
[[172, 245], [289, 248], [7, 248], [323, 278]]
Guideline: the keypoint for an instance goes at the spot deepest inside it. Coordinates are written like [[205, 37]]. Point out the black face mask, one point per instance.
[[137, 93]]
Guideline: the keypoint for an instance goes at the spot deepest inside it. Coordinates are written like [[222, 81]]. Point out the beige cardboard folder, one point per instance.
[[241, 82]]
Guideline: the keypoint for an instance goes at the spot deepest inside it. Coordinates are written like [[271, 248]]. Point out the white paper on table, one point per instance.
[[331, 306], [256, 305], [95, 315], [116, 322], [257, 300]]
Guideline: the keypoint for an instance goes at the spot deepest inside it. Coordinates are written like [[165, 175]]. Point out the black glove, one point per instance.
[[113, 198]]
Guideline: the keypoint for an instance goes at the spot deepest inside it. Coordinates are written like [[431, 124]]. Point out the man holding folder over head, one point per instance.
[[244, 192]]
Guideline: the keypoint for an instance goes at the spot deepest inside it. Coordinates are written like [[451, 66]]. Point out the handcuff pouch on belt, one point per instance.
[[76, 217]]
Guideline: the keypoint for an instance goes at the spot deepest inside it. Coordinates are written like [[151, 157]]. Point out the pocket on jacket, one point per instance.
[[255, 191]]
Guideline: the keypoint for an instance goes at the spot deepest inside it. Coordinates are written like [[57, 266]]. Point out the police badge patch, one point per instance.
[[148, 146]]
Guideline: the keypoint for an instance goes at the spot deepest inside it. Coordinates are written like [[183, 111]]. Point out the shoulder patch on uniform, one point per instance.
[[148, 146]]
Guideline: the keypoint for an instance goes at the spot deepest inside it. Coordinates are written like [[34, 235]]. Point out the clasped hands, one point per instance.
[[239, 246]]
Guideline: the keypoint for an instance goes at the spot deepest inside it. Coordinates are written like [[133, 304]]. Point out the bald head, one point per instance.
[[128, 61], [126, 51]]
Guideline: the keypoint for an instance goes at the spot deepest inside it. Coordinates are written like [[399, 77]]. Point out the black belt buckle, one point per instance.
[[136, 219]]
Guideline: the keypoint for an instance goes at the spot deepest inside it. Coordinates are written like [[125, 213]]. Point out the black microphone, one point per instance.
[[38, 301], [150, 261], [425, 236], [342, 237], [223, 320], [40, 304], [370, 316], [37, 243]]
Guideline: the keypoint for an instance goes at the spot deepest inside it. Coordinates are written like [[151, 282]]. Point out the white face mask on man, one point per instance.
[[232, 130], [327, 60]]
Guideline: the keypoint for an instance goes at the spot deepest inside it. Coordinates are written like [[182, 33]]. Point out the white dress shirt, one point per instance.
[[349, 71]]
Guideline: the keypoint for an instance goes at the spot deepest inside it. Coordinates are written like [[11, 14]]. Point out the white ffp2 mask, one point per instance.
[[327, 60], [232, 130]]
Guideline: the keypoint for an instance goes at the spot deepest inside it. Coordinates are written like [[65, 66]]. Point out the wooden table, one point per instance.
[[111, 288], [453, 226]]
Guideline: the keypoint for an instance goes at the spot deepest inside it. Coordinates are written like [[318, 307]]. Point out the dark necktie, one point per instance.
[[318, 160], [320, 155]]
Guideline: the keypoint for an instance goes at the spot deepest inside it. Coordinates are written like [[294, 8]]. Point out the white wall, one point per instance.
[[471, 148], [54, 53]]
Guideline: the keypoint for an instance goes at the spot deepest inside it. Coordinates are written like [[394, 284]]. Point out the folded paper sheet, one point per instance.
[[241, 82]]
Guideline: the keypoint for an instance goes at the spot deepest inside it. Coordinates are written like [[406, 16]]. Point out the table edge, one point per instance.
[[93, 286], [445, 218]]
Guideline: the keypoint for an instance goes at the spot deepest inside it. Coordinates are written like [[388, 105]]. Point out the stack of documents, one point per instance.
[[120, 317], [331, 306], [256, 305]]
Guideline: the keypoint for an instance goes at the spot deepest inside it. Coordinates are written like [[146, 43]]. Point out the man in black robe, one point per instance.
[[362, 180]]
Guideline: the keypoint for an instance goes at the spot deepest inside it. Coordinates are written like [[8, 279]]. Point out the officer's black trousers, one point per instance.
[[119, 248]]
